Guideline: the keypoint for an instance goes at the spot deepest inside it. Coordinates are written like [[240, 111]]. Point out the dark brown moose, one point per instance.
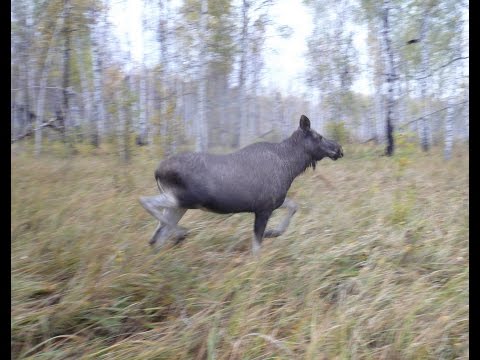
[[253, 179]]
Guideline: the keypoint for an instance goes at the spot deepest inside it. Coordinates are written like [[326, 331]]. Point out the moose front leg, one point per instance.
[[261, 220], [292, 209]]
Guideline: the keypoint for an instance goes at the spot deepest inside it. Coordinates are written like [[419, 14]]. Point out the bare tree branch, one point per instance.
[[440, 67], [375, 138], [70, 90], [50, 123], [437, 111], [265, 134]]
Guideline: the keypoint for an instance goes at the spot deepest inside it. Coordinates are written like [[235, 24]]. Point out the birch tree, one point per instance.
[[43, 86], [98, 119], [256, 45], [455, 91], [390, 76], [425, 125], [29, 60], [85, 91], [244, 38], [381, 14], [332, 58], [142, 136], [201, 142], [376, 78], [253, 20], [23, 65], [65, 112], [163, 40]]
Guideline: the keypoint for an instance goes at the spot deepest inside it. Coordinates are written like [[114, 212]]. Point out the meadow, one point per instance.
[[374, 265]]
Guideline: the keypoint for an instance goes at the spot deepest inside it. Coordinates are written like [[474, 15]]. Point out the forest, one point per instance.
[[375, 264], [204, 85]]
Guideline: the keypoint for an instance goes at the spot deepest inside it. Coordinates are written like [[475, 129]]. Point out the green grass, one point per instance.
[[374, 267]]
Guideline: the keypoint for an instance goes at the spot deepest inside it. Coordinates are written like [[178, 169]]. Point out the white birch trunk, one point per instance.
[[449, 130], [239, 125], [143, 124], [424, 122], [66, 111], [391, 77], [190, 129], [450, 118], [162, 74], [201, 143], [142, 136], [278, 113], [121, 125], [97, 64], [254, 115], [85, 93], [30, 66], [43, 87], [319, 111], [151, 109], [379, 128]]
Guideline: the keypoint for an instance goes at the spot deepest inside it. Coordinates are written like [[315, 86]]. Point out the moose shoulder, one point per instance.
[[253, 179]]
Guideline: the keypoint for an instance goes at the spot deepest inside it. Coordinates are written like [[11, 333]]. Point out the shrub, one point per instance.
[[337, 131]]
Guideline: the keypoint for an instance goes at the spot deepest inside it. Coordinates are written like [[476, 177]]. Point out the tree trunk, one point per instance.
[[239, 124], [163, 71], [98, 119], [278, 113], [151, 109], [452, 110], [142, 136], [85, 94], [29, 102], [390, 78], [65, 113], [201, 143], [253, 118], [43, 86], [424, 123], [122, 139], [449, 130]]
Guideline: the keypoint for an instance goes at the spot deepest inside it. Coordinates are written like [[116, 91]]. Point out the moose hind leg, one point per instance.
[[282, 227], [165, 209], [155, 205], [169, 229]]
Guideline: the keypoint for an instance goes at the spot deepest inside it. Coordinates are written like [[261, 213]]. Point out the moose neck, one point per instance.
[[296, 158]]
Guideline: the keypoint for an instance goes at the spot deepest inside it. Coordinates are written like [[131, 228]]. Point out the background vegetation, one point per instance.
[[373, 266], [375, 262], [202, 82]]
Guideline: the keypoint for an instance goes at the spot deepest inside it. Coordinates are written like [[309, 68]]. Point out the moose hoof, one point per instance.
[[160, 236], [166, 232], [180, 236], [272, 233], [256, 250]]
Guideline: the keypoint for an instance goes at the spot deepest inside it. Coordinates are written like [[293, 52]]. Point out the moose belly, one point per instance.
[[226, 200], [218, 189]]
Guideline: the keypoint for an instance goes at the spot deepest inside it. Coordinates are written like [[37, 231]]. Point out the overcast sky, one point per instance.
[[285, 63]]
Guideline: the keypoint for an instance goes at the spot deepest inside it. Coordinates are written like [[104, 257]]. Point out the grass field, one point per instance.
[[374, 265]]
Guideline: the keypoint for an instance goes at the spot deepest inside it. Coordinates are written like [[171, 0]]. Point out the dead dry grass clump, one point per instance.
[[373, 266]]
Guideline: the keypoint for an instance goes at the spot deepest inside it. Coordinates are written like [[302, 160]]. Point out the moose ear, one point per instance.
[[304, 123]]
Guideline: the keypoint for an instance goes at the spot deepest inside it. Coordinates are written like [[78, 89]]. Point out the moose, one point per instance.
[[254, 179]]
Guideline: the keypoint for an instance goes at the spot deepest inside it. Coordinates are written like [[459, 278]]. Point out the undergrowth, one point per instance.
[[373, 266]]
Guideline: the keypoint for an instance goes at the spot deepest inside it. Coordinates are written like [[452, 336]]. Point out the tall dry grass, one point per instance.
[[373, 267]]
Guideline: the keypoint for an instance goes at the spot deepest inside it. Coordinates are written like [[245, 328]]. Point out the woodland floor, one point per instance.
[[374, 265]]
